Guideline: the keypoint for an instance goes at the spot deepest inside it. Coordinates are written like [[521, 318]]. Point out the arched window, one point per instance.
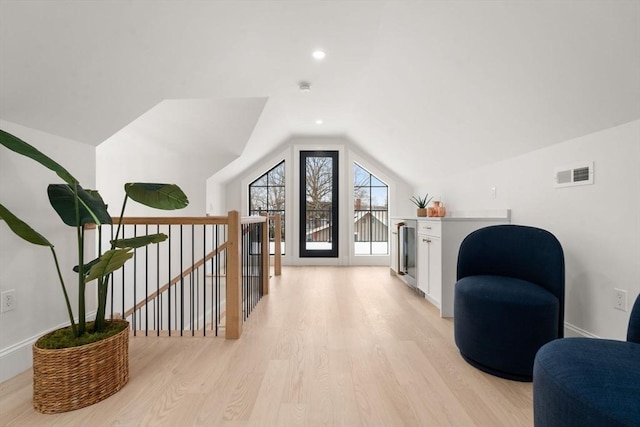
[[267, 195], [371, 213]]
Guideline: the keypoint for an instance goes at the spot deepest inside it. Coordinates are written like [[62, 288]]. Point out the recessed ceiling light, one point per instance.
[[319, 122], [319, 54]]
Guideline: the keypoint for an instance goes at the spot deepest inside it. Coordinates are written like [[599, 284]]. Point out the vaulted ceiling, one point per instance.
[[425, 87]]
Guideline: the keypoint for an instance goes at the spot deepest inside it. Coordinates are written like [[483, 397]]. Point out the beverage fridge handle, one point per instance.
[[399, 240]]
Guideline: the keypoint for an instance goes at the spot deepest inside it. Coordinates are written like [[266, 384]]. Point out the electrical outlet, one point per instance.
[[8, 299], [620, 299]]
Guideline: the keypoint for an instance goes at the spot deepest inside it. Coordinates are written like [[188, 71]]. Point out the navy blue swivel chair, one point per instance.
[[509, 298], [584, 382]]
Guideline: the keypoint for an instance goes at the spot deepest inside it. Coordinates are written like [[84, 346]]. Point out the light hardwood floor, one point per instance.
[[343, 346]]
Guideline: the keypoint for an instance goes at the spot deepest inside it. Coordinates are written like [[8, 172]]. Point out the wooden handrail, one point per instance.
[[252, 219], [186, 220], [176, 279]]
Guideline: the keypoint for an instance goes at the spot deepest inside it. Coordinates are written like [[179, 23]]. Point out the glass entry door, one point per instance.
[[319, 204]]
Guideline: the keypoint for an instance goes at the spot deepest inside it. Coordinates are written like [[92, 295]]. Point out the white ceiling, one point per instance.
[[426, 87]]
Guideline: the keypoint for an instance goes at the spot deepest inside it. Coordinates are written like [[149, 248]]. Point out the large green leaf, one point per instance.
[[92, 208], [109, 262], [159, 196], [22, 229], [140, 241], [96, 195], [14, 143], [87, 266]]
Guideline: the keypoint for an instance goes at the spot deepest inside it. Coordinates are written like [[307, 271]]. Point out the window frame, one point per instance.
[[268, 210], [319, 253], [370, 209]]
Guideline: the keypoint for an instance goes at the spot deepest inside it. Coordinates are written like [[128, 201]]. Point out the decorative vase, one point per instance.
[[439, 208], [422, 212], [431, 212], [71, 378]]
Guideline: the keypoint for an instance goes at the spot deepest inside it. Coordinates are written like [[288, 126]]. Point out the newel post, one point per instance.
[[277, 235], [265, 255], [233, 328]]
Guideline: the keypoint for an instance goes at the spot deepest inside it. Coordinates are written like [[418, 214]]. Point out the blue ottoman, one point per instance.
[[587, 382]]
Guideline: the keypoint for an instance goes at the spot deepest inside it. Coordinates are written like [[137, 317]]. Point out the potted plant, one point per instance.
[[86, 362], [421, 203]]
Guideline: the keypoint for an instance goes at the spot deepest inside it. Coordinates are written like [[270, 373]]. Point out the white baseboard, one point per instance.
[[18, 357], [573, 331]]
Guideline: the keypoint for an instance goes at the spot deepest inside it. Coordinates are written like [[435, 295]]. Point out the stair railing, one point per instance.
[[203, 281]]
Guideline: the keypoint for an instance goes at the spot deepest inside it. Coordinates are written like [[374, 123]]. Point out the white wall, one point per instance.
[[30, 269], [598, 225], [216, 200], [123, 159], [237, 192]]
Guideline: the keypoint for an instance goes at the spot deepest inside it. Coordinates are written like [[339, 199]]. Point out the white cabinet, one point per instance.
[[394, 245], [429, 267], [439, 241]]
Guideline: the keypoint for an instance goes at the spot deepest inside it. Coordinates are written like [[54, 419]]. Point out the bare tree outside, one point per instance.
[[361, 184], [319, 186], [267, 195]]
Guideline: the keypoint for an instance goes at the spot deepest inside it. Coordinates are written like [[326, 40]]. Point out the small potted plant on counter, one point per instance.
[[421, 203]]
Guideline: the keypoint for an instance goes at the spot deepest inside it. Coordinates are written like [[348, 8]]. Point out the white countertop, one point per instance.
[[485, 215]]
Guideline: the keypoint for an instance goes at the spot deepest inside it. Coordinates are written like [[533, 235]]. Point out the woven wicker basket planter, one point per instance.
[[72, 378]]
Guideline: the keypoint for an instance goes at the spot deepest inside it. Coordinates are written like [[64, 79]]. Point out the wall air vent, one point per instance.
[[577, 174]]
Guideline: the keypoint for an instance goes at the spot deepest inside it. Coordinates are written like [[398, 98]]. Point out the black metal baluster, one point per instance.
[[204, 281], [245, 267], [122, 283], [216, 279], [111, 277], [136, 317], [169, 281], [191, 284], [181, 282], [158, 298], [146, 284]]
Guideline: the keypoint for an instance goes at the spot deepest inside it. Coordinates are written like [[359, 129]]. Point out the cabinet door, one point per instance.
[[423, 264], [435, 269], [393, 245]]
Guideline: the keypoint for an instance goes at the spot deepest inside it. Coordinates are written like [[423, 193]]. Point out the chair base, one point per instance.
[[494, 372]]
